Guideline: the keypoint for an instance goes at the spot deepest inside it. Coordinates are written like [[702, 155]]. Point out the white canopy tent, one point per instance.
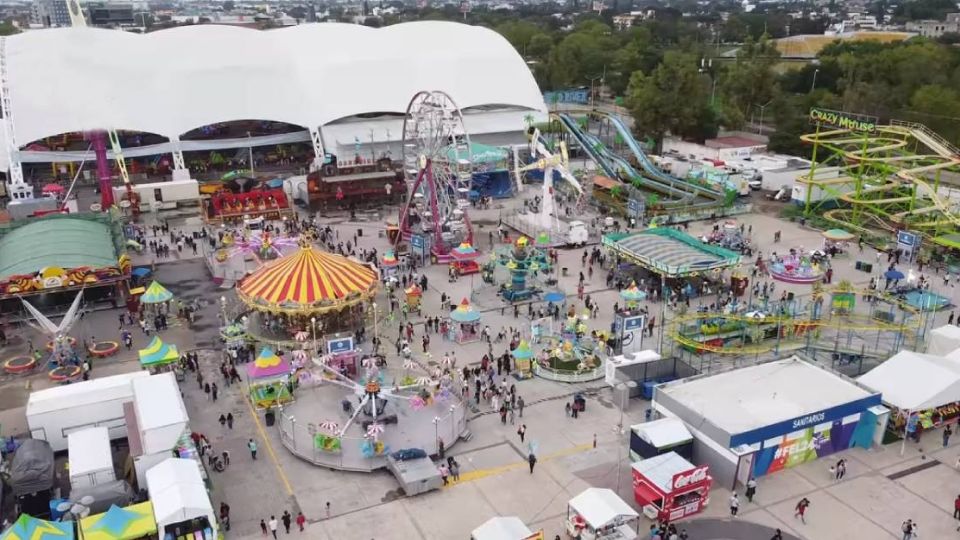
[[501, 528], [601, 508], [944, 340], [161, 414], [914, 381], [179, 494], [663, 433], [91, 460]]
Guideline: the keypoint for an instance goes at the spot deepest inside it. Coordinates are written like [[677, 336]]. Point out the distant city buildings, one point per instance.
[[110, 15], [935, 29], [626, 20], [49, 13]]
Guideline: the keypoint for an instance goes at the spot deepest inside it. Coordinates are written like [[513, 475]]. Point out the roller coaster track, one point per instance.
[[909, 173]]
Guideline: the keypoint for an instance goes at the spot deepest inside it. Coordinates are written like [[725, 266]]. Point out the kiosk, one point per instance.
[[670, 488]]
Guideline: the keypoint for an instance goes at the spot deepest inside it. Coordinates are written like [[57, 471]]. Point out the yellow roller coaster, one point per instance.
[[886, 177]]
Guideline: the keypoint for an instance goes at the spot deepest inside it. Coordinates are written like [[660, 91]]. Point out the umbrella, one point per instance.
[[275, 183], [409, 364], [447, 361], [156, 294], [554, 296], [141, 271], [838, 235], [329, 426], [893, 274], [374, 430], [424, 381], [523, 351], [465, 313], [53, 188]]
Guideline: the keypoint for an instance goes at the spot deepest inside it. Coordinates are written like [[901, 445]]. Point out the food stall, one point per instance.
[[158, 356], [268, 380], [598, 513], [670, 488], [181, 504], [464, 259], [660, 437], [129, 523]]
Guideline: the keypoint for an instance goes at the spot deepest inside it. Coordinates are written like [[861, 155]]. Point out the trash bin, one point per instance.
[[564, 272], [269, 418], [359, 233]]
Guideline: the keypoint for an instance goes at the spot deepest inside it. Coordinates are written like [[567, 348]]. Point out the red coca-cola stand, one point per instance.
[[669, 487]]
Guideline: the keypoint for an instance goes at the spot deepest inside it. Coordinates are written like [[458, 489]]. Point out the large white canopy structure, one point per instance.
[[913, 381], [172, 81], [178, 493]]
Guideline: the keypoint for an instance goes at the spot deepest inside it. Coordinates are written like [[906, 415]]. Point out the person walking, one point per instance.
[[956, 509], [301, 519], [947, 432], [908, 529], [734, 504], [445, 473], [230, 420], [520, 405], [751, 489], [213, 391], [287, 520], [263, 527], [841, 469], [532, 460], [455, 470], [252, 446], [273, 526], [778, 535], [801, 509], [522, 431]]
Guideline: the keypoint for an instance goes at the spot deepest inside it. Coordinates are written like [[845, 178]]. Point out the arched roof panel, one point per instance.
[[171, 81]]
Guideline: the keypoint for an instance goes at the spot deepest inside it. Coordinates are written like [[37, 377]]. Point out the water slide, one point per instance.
[[681, 193], [651, 170]]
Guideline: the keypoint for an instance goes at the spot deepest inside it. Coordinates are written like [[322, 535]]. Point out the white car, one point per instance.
[[755, 184]]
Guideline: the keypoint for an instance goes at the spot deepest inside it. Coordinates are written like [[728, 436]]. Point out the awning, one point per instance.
[[647, 495], [117, 523], [604, 182], [31, 528], [600, 506], [158, 353]]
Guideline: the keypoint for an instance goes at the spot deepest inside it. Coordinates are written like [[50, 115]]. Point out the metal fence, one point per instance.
[[298, 436]]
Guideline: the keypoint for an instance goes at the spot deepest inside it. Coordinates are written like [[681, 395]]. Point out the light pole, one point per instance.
[[592, 80], [250, 151], [223, 309], [813, 85], [762, 107], [436, 433], [453, 424], [376, 339], [313, 331]]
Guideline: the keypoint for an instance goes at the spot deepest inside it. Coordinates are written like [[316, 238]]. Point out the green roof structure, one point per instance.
[[480, 154], [669, 252], [63, 242]]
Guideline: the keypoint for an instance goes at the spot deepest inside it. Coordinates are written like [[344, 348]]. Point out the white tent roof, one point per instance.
[[89, 451], [663, 433], [915, 381], [944, 340], [600, 506], [159, 404], [177, 492], [83, 393], [175, 80], [661, 469], [501, 528]]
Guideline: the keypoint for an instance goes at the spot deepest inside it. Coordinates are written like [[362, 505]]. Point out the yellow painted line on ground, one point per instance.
[[266, 442], [472, 476]]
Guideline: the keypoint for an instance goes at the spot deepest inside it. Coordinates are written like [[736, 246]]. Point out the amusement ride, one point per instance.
[[436, 150]]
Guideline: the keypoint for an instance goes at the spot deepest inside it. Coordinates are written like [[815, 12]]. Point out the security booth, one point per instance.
[[660, 437]]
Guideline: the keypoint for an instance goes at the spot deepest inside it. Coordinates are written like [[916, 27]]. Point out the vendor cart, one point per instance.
[[598, 513], [670, 488]]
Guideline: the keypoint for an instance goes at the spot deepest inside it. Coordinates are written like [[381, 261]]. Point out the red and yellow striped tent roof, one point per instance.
[[308, 281]]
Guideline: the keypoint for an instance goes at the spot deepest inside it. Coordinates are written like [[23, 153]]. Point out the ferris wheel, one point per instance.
[[438, 169]]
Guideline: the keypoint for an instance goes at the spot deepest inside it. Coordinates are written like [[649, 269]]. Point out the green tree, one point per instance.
[[751, 81], [672, 99], [7, 28]]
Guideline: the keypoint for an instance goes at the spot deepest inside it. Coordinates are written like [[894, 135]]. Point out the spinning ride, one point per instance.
[[260, 244], [307, 291], [546, 218], [436, 162], [523, 263], [795, 267]]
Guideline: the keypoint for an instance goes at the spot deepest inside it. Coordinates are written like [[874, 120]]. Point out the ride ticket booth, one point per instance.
[[669, 487]]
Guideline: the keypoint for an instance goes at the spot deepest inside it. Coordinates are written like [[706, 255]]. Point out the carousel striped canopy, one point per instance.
[[308, 281]]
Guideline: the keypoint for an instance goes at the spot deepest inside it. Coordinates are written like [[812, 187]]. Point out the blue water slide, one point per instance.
[[652, 170]]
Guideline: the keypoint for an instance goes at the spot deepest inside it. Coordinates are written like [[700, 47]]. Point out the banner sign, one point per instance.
[[842, 120], [578, 95]]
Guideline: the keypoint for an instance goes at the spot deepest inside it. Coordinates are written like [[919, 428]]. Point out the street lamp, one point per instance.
[[592, 80], [762, 107], [313, 331], [376, 339], [436, 433], [814, 83], [624, 388], [223, 309]]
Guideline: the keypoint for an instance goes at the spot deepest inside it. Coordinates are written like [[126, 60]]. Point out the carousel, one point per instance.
[[307, 294]]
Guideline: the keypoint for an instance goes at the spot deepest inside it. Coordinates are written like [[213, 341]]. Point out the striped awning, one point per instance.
[[670, 253], [308, 281]]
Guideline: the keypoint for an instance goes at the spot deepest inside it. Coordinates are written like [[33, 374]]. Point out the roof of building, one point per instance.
[[753, 397], [666, 251], [172, 81], [61, 242]]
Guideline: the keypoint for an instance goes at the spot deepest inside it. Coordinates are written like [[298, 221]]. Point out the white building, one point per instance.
[[46, 13], [337, 81]]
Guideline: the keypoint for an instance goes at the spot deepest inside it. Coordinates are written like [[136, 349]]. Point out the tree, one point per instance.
[[751, 81], [672, 99], [7, 28]]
